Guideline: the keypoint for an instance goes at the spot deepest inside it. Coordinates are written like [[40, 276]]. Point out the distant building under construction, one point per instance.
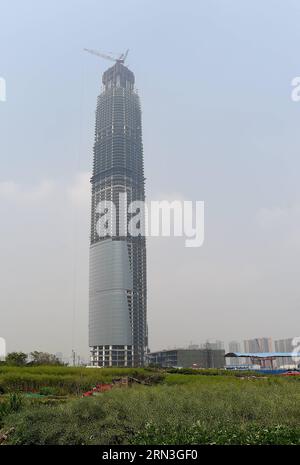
[[188, 358]]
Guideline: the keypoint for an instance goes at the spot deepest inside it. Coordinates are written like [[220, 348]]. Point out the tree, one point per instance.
[[16, 358], [43, 358]]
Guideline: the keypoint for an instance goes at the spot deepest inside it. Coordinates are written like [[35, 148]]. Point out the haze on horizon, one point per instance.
[[219, 125]]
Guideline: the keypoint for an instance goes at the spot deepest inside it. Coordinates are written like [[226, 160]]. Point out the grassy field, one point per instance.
[[61, 380], [181, 409]]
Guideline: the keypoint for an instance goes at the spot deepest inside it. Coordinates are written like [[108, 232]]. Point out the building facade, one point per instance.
[[260, 344], [234, 346], [188, 358], [215, 345], [117, 292], [285, 345]]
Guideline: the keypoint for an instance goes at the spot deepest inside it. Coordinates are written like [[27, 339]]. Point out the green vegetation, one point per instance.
[[34, 358], [10, 405], [16, 358], [182, 409], [61, 380]]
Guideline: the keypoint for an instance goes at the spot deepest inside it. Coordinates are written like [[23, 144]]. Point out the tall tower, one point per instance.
[[117, 293]]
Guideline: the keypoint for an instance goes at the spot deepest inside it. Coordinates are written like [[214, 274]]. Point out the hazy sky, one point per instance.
[[219, 125]]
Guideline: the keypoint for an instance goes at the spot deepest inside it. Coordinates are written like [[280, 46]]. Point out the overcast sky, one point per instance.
[[219, 125]]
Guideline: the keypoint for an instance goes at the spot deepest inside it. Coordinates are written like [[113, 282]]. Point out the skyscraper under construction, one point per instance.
[[117, 293]]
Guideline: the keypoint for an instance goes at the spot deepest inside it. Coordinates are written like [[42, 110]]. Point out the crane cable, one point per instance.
[[75, 223]]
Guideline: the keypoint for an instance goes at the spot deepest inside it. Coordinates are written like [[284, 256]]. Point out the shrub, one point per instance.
[[10, 405]]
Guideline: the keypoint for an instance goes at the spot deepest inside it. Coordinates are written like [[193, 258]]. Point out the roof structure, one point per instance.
[[263, 354]]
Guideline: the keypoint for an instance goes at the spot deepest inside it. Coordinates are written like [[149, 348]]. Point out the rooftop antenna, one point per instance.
[[121, 59]]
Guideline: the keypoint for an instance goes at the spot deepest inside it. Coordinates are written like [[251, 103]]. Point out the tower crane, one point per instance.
[[121, 59]]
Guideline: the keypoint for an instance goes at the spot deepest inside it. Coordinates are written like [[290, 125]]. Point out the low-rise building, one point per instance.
[[188, 358]]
